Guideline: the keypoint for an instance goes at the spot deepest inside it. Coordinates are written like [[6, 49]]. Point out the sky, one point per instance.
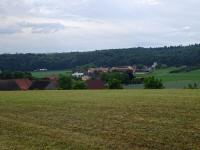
[[46, 26]]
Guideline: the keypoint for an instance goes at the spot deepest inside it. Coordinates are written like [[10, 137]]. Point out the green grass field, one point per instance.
[[39, 74], [108, 119], [173, 80]]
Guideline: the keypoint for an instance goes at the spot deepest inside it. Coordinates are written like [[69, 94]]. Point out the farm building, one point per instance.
[[23, 84], [95, 84], [53, 85], [98, 70], [8, 85], [85, 78], [39, 85], [125, 69], [78, 75], [15, 84]]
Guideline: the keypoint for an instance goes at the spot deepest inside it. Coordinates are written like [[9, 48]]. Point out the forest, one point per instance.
[[170, 56]]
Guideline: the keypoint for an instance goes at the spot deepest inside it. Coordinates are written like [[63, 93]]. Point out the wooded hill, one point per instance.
[[171, 56]]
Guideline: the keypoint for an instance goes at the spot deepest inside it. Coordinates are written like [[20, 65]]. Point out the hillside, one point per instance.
[[171, 56], [173, 80]]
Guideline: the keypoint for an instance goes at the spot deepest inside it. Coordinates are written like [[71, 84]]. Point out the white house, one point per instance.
[[78, 75]]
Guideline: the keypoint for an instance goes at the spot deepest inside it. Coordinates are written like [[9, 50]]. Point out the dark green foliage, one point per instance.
[[65, 82], [15, 75], [138, 80], [84, 68], [140, 66], [193, 86], [153, 83], [122, 77], [171, 56], [114, 84], [79, 85]]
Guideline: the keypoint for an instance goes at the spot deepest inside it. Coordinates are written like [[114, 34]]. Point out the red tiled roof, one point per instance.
[[95, 84], [39, 85], [8, 85], [23, 84]]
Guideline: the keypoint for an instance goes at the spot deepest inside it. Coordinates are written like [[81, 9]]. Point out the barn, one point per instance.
[[95, 84]]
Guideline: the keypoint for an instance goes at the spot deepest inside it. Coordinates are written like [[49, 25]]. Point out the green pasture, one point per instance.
[[172, 80], [43, 74]]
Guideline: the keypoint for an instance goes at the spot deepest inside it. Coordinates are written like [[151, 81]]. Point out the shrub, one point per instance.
[[193, 86], [114, 84], [15, 75], [153, 83], [124, 78], [65, 82], [79, 85], [138, 80]]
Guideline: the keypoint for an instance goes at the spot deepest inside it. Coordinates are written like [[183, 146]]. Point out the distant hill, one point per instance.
[[171, 56]]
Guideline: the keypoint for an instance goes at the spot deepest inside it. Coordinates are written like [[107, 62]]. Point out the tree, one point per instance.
[[79, 85], [140, 66], [122, 77], [15, 75], [114, 84], [153, 83], [65, 82], [194, 86], [171, 56]]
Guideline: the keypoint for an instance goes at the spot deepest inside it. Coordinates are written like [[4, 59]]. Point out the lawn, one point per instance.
[[165, 75], [40, 74], [173, 80], [107, 119]]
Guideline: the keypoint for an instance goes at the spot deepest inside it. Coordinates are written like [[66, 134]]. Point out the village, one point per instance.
[[91, 77], [94, 72]]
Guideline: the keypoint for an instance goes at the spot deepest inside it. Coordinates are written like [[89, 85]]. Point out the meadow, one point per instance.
[[173, 80], [107, 119], [43, 74]]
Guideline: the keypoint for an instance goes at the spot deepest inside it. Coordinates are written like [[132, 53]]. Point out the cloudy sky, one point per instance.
[[81, 25]]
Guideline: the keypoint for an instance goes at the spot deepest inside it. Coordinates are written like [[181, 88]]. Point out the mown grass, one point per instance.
[[121, 119]]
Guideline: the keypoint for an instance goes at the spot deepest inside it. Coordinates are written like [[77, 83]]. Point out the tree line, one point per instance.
[[170, 56]]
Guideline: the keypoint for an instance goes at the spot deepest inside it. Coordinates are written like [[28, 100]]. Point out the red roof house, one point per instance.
[[95, 84], [23, 84], [8, 85]]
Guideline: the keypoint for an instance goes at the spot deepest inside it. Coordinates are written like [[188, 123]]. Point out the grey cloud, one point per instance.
[[39, 28], [43, 27], [117, 23], [10, 30]]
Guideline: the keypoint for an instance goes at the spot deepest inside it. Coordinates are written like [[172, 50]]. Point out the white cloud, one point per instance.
[[153, 2]]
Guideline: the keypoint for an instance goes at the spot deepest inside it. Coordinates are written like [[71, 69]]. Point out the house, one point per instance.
[[23, 84], [41, 70], [153, 67], [53, 84], [125, 69], [8, 85], [85, 78], [15, 84], [98, 70], [95, 84], [39, 85], [78, 75], [145, 69]]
